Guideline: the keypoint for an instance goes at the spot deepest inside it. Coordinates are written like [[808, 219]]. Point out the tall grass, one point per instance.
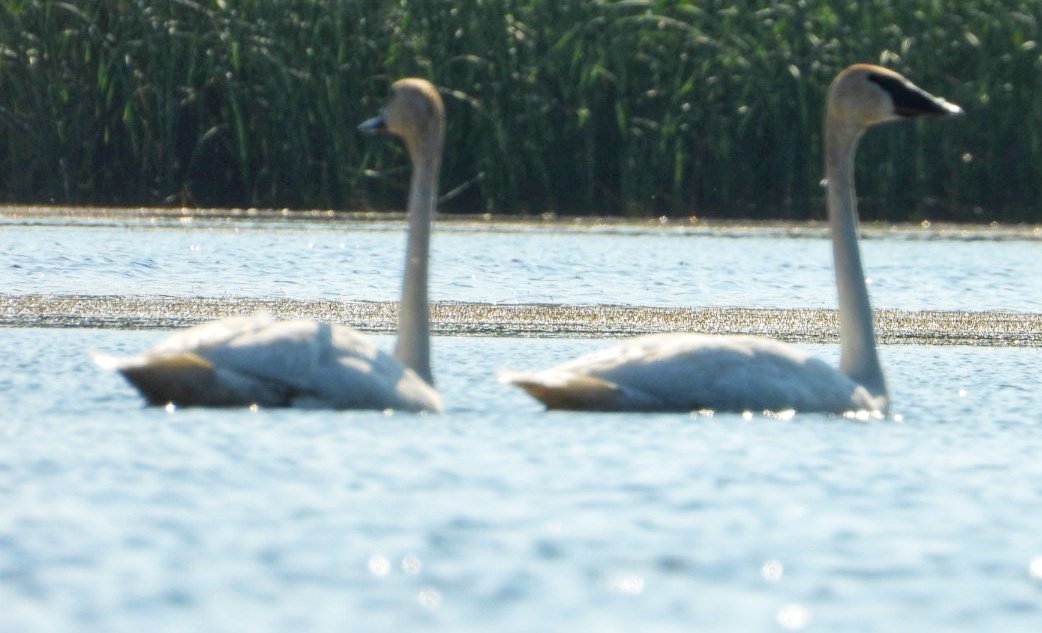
[[635, 107]]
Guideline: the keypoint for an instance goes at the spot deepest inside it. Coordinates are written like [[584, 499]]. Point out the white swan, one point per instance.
[[243, 361], [685, 372]]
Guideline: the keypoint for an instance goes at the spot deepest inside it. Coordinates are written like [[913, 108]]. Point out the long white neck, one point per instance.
[[858, 358], [413, 348]]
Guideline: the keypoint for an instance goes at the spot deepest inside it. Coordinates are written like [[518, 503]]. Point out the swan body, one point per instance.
[[691, 372], [684, 372], [241, 361], [244, 361]]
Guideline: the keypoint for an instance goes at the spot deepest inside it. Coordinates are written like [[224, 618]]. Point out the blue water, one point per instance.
[[666, 267], [498, 516]]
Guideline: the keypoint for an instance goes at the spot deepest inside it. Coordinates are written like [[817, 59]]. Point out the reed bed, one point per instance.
[[621, 107]]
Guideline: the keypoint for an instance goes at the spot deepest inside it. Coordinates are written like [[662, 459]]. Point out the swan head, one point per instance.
[[414, 111], [865, 94]]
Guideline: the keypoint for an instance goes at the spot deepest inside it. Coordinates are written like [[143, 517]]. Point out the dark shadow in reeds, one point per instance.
[[632, 107]]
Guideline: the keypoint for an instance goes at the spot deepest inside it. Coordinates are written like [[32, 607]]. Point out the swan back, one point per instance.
[[688, 372], [241, 361]]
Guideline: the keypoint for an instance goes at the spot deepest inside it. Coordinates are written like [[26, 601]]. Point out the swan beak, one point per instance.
[[925, 104], [950, 109], [373, 125], [910, 100], [931, 106], [921, 103]]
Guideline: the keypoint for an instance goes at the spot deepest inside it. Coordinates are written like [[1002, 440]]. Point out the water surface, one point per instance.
[[507, 263], [498, 516]]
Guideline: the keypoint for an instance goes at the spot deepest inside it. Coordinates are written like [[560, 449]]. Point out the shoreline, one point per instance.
[[186, 217], [893, 327]]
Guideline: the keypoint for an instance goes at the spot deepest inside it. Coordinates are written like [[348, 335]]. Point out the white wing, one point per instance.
[[687, 372], [254, 360]]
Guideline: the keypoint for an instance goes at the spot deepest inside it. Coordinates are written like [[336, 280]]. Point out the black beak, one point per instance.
[[910, 101]]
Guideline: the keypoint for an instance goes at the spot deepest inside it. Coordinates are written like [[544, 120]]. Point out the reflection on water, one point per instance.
[[511, 263], [498, 516]]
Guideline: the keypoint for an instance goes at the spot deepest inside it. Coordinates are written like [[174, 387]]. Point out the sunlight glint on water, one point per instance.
[[664, 268], [499, 516], [119, 516]]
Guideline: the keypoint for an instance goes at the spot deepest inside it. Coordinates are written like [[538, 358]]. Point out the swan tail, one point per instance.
[[575, 392], [183, 378]]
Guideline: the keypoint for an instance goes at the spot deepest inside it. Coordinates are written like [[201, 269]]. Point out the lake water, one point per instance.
[[498, 516], [497, 263]]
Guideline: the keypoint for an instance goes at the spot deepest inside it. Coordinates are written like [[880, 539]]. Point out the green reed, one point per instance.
[[633, 107]]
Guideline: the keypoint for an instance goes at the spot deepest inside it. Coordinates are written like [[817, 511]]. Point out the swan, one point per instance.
[[243, 361], [687, 372]]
